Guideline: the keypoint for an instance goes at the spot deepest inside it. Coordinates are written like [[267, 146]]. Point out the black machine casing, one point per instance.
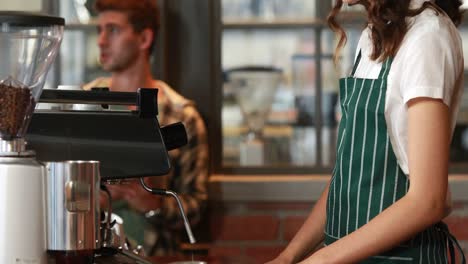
[[128, 144]]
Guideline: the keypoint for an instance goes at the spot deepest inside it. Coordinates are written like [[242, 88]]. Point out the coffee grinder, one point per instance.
[[255, 90], [28, 45]]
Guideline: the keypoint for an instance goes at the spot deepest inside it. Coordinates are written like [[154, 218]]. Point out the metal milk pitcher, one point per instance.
[[73, 206]]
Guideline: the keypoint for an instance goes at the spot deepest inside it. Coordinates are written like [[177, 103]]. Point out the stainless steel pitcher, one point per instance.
[[73, 205]]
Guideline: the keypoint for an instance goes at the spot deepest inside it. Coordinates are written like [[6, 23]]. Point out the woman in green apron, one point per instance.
[[389, 189]]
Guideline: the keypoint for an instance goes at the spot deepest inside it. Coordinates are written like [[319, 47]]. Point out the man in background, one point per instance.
[[127, 34]]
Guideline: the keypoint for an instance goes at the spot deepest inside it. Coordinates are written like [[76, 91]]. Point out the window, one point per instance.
[[291, 123]]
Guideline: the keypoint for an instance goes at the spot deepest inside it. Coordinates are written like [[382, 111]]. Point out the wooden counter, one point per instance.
[[120, 259], [207, 259]]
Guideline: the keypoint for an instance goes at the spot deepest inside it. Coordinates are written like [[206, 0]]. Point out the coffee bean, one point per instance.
[[16, 107]]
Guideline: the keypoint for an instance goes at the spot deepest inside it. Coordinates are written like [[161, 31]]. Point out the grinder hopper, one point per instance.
[[28, 45]]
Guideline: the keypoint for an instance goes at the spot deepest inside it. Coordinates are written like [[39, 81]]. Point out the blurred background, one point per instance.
[[270, 155]]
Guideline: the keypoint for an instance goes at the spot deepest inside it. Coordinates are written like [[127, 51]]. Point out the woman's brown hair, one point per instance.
[[388, 19]]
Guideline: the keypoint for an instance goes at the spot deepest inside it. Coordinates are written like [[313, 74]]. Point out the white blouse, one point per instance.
[[429, 63]]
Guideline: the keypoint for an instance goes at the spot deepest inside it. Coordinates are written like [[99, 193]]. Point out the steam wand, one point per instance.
[[181, 209]]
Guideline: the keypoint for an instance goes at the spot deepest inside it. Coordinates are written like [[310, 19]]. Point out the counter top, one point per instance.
[[179, 260], [293, 187], [207, 259]]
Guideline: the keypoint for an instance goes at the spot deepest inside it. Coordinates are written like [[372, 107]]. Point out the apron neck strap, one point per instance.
[[384, 71], [356, 63]]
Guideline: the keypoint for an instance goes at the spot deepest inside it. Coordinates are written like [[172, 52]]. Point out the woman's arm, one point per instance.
[[309, 236], [422, 206]]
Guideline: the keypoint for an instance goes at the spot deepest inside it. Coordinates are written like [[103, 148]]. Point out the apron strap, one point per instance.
[[452, 241], [384, 70], [356, 63]]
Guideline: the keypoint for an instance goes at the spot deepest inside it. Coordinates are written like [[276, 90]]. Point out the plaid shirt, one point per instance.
[[189, 174], [190, 162]]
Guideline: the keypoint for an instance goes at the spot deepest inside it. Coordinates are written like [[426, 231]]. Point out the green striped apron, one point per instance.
[[367, 178]]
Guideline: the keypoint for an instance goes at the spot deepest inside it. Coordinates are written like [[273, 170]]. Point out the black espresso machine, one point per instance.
[[82, 151]]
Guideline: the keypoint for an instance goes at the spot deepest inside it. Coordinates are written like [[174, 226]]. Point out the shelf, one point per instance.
[[345, 18], [81, 26], [273, 24], [360, 17]]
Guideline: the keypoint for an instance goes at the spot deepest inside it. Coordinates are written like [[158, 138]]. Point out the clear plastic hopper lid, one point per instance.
[[28, 45]]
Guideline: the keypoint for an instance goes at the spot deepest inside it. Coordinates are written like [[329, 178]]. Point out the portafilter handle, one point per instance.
[[179, 203]]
